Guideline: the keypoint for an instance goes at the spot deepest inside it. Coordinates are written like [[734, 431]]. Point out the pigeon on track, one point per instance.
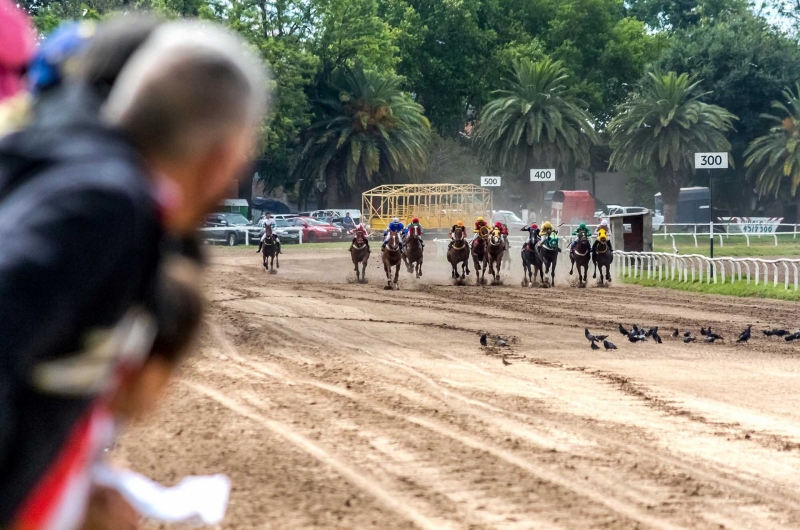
[[595, 346], [483, 339], [609, 345], [502, 343], [657, 337], [714, 336], [506, 363], [775, 332], [652, 332], [636, 338], [601, 337], [744, 336], [624, 331], [589, 336], [687, 333], [705, 332], [689, 339], [676, 333], [793, 336], [635, 330], [711, 338]]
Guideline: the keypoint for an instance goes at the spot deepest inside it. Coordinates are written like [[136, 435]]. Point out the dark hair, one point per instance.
[[178, 311], [115, 42]]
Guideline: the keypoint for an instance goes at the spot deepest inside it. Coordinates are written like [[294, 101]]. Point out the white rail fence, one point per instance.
[[693, 267]]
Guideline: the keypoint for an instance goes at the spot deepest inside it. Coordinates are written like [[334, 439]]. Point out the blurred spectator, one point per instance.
[[17, 43], [83, 209]]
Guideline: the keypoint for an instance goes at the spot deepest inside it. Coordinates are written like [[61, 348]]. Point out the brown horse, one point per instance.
[[479, 251], [580, 255], [359, 253], [459, 253], [531, 262], [548, 253], [412, 251], [602, 257], [494, 255], [269, 252], [392, 257]]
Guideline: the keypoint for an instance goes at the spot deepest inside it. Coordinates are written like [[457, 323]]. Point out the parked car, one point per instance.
[[511, 220], [287, 232], [231, 227], [314, 230], [285, 216]]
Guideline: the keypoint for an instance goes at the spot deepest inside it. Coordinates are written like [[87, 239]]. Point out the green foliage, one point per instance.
[[366, 130], [774, 159], [683, 14], [660, 129], [744, 64], [641, 188], [451, 160], [535, 118]]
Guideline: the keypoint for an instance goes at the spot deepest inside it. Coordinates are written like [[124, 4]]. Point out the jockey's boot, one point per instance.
[[260, 244], [279, 247], [450, 244]]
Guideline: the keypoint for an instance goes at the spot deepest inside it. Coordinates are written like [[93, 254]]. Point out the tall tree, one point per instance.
[[673, 15], [773, 160], [535, 122], [743, 64], [662, 126], [367, 130]]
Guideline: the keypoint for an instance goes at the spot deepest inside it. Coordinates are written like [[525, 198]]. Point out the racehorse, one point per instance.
[[359, 253], [531, 262], [494, 256], [459, 253], [548, 253], [269, 251], [392, 257], [479, 253], [412, 251], [602, 257], [580, 256]]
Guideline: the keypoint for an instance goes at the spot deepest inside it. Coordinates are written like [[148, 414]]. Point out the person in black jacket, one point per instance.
[[86, 206]]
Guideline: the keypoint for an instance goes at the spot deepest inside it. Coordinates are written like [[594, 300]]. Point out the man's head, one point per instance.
[[191, 99], [347, 214]]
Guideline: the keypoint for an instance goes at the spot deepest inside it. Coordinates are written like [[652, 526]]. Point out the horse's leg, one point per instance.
[[572, 261], [594, 274], [419, 268], [396, 274]]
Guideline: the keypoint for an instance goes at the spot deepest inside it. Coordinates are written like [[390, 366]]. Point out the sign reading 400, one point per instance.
[[543, 175]]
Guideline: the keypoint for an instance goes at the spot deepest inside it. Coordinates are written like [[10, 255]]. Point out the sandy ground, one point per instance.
[[332, 404]]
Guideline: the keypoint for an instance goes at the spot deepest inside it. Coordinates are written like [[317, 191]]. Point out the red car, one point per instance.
[[314, 230]]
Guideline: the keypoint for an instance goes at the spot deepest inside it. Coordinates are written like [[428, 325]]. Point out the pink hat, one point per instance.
[[17, 43]]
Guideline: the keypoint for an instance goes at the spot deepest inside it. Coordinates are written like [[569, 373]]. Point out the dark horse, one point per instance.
[[479, 253], [580, 255], [548, 253], [412, 251], [359, 253], [269, 251], [602, 257], [494, 255], [459, 253], [531, 262], [392, 257]]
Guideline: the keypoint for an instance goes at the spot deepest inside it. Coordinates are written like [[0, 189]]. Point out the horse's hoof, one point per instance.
[[570, 273]]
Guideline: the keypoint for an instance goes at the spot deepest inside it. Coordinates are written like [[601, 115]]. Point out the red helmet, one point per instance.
[[415, 220], [534, 226]]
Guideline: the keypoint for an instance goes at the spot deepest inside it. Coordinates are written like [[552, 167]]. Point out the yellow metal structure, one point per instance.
[[438, 206]]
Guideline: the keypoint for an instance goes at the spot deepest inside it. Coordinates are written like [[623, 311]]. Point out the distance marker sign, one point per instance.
[[711, 160], [490, 181], [543, 175]]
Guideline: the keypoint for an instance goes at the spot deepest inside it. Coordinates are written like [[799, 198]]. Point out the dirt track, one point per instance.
[[338, 405]]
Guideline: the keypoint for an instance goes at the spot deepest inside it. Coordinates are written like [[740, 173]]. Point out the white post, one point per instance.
[[300, 237]]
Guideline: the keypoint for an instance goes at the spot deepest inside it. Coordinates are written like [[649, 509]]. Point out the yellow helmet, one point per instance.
[[460, 223], [547, 225], [480, 218]]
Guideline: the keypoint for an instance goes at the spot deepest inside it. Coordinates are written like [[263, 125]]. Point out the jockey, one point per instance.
[[503, 232], [581, 230], [415, 224], [458, 226], [533, 230], [360, 231], [479, 223], [602, 229], [268, 221], [546, 232], [394, 226]]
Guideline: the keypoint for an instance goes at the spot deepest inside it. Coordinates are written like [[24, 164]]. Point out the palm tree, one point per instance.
[[776, 156], [535, 122], [368, 129], [661, 127]]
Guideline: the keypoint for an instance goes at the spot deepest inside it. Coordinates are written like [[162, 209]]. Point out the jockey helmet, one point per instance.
[[547, 225], [460, 223], [415, 220], [582, 226], [395, 220], [498, 224], [534, 226], [480, 219], [604, 222]]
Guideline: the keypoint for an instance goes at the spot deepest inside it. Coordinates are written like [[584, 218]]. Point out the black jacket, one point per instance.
[[79, 250]]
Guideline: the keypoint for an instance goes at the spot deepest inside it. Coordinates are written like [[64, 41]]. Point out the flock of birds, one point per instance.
[[637, 334]]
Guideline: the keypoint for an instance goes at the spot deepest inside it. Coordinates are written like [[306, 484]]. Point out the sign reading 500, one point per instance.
[[543, 175]]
